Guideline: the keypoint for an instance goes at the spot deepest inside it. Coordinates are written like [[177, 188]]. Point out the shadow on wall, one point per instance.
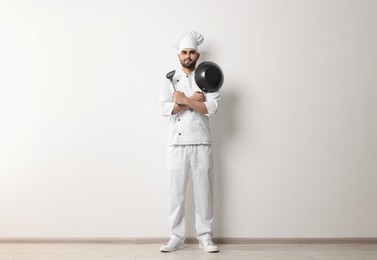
[[223, 128]]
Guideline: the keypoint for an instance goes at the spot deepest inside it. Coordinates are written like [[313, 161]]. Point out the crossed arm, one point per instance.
[[183, 103]]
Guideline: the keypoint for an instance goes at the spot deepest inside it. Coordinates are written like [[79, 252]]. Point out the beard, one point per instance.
[[190, 65]]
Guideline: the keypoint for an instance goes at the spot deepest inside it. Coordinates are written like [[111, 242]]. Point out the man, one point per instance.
[[189, 146]]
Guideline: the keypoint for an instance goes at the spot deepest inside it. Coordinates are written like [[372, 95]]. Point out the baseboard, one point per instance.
[[191, 240], [298, 240]]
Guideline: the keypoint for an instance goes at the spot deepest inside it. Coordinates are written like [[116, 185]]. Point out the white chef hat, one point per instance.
[[188, 39]]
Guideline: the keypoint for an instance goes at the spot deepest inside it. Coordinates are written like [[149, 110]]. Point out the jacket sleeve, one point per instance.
[[212, 102], [166, 99]]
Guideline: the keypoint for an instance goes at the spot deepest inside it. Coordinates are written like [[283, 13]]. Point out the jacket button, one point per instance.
[[179, 133], [179, 119]]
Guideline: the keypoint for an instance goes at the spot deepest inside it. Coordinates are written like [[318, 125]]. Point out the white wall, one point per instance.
[[82, 142]]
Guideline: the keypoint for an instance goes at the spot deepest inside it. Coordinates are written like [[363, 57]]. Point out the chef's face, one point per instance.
[[188, 58]]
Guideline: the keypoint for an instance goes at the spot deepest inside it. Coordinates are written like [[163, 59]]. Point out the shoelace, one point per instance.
[[210, 243], [170, 241]]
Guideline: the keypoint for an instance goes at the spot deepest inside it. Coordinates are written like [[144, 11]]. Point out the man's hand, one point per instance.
[[198, 96], [180, 98]]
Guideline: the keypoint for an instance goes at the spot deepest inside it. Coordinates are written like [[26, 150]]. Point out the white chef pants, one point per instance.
[[181, 161]]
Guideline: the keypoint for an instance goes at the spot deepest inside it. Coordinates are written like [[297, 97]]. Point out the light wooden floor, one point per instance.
[[117, 251]]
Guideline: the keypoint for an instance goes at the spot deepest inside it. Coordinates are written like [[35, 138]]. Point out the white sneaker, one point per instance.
[[173, 244], [208, 245]]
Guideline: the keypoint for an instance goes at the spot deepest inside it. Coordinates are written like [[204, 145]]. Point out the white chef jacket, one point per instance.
[[187, 127]]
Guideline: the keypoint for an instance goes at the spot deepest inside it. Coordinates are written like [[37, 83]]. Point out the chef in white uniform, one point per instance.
[[189, 151]]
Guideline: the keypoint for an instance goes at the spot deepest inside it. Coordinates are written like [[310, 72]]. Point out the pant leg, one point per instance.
[[203, 180], [178, 173]]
